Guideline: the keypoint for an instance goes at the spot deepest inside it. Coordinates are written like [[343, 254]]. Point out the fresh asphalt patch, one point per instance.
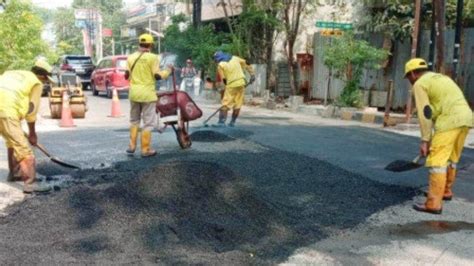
[[193, 207], [209, 136]]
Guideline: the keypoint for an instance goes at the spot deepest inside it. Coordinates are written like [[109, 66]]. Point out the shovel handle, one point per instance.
[[43, 149], [40, 147]]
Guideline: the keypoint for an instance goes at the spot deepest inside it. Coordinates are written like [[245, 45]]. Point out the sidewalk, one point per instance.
[[368, 118]]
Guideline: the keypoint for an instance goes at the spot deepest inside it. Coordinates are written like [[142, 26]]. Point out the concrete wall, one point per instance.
[[401, 53], [257, 88], [324, 10]]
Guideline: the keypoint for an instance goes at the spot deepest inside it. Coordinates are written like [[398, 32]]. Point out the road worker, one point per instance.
[[441, 108], [143, 70], [20, 94], [231, 70]]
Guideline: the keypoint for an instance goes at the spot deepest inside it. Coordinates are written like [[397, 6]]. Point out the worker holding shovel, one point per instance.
[[143, 69], [20, 94], [231, 69], [441, 107]]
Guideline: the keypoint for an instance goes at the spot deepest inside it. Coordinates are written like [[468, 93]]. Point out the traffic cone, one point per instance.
[[66, 114], [115, 112]]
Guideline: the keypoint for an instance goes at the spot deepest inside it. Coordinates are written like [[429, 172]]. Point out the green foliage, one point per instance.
[[197, 43], [348, 57], [20, 32], [256, 29], [68, 36], [396, 18], [112, 14]]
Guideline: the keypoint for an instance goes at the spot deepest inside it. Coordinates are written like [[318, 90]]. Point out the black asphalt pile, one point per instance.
[[194, 208], [209, 136]]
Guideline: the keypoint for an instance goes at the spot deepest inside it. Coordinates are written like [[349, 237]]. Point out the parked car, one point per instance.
[[81, 65], [109, 75]]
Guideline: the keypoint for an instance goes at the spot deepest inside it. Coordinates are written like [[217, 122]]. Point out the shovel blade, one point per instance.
[[62, 163], [402, 166]]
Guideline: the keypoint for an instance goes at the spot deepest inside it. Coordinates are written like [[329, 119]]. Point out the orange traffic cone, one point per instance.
[[66, 114], [115, 112]]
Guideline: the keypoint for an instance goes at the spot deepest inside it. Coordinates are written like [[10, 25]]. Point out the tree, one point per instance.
[[21, 41], [396, 18], [112, 14], [68, 36], [292, 13], [198, 43], [349, 57]]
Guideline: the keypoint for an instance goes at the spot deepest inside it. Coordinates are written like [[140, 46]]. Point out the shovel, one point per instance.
[[53, 158], [402, 166], [211, 116]]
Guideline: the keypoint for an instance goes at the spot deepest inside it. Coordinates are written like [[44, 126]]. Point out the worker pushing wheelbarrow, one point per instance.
[[176, 108]]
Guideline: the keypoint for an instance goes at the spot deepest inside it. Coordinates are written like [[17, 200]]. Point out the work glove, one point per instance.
[[157, 77], [252, 79], [224, 81], [127, 74]]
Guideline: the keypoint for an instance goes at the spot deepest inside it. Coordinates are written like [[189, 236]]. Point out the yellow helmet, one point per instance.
[[415, 64], [145, 38]]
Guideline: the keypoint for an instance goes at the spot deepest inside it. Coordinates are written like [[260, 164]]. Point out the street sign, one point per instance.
[[333, 25]]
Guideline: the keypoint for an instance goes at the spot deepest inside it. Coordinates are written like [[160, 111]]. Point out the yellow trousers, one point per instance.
[[233, 98], [11, 131], [446, 147]]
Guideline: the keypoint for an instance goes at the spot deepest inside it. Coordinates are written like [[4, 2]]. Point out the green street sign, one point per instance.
[[333, 25]]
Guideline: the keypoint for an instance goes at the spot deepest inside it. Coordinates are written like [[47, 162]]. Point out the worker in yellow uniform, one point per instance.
[[231, 70], [441, 108], [143, 70], [20, 94]]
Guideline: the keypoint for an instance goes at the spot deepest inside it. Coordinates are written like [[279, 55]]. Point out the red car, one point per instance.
[[109, 75]]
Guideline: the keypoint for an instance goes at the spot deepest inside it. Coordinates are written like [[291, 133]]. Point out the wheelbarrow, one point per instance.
[[176, 109]]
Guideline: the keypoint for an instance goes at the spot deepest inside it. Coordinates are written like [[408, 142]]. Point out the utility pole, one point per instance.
[[457, 38], [197, 5], [414, 53], [440, 13]]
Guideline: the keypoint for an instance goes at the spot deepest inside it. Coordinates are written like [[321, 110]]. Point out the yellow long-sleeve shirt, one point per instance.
[[20, 95], [142, 78], [233, 71], [440, 101]]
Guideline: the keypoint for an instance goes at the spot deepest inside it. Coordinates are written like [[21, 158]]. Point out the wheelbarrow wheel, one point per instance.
[[183, 137]]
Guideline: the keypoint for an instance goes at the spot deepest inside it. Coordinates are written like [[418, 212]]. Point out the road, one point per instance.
[[279, 188]]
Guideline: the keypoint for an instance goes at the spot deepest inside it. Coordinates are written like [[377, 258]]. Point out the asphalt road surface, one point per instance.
[[254, 194]]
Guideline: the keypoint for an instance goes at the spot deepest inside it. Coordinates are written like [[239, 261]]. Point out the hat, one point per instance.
[[40, 63], [415, 64], [145, 38]]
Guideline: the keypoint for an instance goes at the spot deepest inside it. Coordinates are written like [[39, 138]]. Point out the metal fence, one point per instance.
[[325, 86]]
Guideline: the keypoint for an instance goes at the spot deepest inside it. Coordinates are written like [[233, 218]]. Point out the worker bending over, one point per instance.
[[231, 70], [20, 95], [143, 70], [441, 107]]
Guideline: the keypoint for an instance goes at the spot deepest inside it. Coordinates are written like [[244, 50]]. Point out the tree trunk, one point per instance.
[[440, 29], [291, 67]]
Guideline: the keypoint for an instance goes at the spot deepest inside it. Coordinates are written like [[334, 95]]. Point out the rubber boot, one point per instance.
[[133, 140], [27, 167], [222, 119], [235, 114], [147, 151], [434, 200], [14, 173], [450, 178]]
